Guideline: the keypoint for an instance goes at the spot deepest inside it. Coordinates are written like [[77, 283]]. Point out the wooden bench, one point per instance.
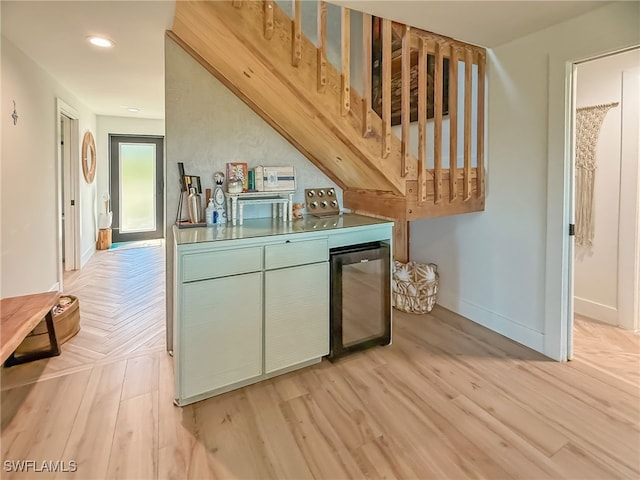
[[19, 316]]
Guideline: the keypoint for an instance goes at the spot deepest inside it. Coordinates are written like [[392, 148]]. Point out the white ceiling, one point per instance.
[[131, 74], [479, 22]]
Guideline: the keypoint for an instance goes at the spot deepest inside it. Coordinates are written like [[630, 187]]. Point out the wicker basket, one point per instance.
[[66, 318], [415, 286]]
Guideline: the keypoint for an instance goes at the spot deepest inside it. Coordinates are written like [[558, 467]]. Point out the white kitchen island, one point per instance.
[[252, 301]]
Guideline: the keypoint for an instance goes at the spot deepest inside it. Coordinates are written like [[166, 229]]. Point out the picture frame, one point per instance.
[[396, 76], [239, 170]]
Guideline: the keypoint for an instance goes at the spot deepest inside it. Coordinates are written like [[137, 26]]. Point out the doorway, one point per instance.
[[68, 184], [606, 267], [137, 186]]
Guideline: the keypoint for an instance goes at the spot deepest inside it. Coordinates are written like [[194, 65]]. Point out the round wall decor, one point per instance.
[[88, 157]]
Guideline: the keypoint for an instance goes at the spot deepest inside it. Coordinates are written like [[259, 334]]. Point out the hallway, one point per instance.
[[122, 305]]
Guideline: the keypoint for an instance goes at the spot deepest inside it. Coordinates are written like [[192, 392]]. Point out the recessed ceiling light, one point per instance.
[[133, 109], [100, 41]]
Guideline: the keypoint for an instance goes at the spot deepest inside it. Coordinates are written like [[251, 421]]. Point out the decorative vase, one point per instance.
[[104, 220], [234, 185], [218, 199], [194, 206]]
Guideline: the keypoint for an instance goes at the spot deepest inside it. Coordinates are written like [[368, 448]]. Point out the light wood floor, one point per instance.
[[449, 400], [122, 311]]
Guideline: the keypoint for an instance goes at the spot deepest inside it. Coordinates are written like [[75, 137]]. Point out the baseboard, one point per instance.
[[595, 310], [493, 321], [87, 255], [55, 287]]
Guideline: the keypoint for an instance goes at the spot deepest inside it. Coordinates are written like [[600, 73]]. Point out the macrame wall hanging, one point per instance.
[[588, 123]]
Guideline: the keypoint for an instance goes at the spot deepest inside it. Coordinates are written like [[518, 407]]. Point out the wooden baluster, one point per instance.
[[437, 124], [480, 139], [268, 19], [422, 121], [468, 66], [345, 77], [322, 45], [296, 34], [366, 87], [237, 3], [406, 100], [453, 123], [386, 87]]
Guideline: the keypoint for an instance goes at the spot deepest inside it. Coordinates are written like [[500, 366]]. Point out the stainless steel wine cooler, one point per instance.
[[360, 298]]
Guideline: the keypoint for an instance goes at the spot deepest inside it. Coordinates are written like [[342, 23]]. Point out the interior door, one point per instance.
[[573, 78], [68, 200], [68, 182], [136, 187]]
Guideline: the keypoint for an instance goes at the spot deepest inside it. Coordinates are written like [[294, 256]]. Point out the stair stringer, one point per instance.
[[229, 42]]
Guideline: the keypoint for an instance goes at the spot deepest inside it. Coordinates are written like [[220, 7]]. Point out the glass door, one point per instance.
[[137, 187], [360, 298]]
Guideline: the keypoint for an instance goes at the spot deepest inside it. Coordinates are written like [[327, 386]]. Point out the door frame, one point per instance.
[[568, 247], [70, 192], [113, 183], [629, 233]]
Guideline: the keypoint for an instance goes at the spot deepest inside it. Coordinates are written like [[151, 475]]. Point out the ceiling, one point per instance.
[[108, 81], [479, 22], [53, 33]]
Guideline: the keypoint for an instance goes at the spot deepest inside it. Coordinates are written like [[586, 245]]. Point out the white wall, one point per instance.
[[29, 176], [207, 126], [596, 268], [503, 267], [107, 125]]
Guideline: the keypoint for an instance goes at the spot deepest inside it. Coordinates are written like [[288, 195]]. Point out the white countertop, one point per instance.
[[261, 227]]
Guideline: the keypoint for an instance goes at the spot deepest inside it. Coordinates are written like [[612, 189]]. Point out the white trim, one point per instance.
[[55, 287], [67, 109], [607, 54], [572, 70], [628, 230], [493, 321], [558, 274], [67, 193], [62, 108], [596, 311], [87, 255]]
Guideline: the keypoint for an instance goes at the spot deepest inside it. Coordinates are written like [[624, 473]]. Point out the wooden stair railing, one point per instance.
[[459, 189], [230, 43], [441, 189], [376, 169]]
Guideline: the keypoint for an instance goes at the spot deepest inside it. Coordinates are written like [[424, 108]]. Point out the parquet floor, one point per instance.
[[122, 311], [448, 400]]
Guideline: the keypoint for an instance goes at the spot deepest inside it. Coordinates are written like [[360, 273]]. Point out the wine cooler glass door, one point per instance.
[[360, 298]]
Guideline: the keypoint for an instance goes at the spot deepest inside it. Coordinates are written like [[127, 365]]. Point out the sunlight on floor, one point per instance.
[[138, 244]]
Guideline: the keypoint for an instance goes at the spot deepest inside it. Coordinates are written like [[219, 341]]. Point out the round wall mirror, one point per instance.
[[88, 157]]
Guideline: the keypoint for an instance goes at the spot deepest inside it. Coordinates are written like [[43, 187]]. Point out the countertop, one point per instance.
[[260, 227]]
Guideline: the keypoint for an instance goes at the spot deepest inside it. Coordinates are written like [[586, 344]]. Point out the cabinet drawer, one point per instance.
[[293, 253], [221, 263]]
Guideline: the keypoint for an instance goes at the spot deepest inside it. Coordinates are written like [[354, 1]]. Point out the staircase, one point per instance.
[[260, 54]]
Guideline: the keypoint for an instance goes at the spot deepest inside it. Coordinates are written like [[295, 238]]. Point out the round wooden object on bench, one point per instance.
[[67, 324]]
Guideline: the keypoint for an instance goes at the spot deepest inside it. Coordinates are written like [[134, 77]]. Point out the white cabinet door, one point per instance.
[[221, 333], [296, 315]]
